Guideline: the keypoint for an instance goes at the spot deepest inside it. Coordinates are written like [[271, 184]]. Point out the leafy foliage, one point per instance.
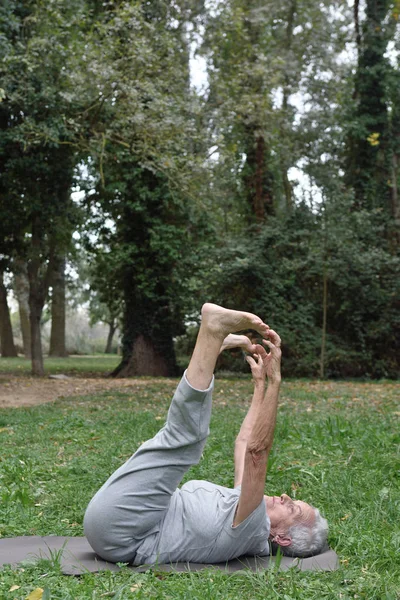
[[278, 273], [190, 196]]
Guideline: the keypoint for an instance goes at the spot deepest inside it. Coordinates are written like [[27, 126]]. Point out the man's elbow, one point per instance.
[[241, 440], [257, 455]]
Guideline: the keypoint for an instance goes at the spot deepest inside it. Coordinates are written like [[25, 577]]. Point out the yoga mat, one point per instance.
[[77, 557]]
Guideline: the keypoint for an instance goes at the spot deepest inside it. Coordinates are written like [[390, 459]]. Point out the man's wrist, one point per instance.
[[259, 384], [274, 381]]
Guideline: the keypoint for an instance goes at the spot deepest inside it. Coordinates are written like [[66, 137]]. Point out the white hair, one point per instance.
[[306, 540]]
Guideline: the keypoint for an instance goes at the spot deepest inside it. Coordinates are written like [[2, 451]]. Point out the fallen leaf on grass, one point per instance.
[[135, 587], [35, 595], [14, 587]]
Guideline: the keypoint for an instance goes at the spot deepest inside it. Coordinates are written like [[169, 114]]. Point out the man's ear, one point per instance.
[[282, 539]]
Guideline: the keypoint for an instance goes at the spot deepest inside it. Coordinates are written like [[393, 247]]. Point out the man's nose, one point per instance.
[[285, 498]]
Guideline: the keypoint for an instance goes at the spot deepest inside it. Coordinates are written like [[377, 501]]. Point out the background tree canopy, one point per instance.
[[274, 188]]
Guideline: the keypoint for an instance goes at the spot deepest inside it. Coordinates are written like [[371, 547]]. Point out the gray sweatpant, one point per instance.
[[133, 501]]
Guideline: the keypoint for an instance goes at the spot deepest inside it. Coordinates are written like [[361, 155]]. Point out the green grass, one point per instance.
[[336, 446], [73, 365]]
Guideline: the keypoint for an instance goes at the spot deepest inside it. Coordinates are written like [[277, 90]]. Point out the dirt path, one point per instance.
[[28, 391], [16, 390]]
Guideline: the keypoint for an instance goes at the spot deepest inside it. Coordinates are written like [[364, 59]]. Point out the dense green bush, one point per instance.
[[277, 271]]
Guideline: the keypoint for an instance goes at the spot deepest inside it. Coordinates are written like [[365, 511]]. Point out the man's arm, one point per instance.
[[247, 427], [262, 420]]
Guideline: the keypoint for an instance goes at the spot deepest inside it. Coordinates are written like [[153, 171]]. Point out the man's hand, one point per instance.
[[272, 360], [257, 365], [265, 364]]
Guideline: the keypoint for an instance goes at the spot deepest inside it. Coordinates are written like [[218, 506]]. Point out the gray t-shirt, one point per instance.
[[198, 528]]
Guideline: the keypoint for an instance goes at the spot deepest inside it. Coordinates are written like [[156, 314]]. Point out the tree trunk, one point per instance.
[[147, 341], [287, 188], [112, 329], [141, 355], [357, 23], [259, 208], [21, 288], [36, 338], [395, 222], [6, 335], [57, 336], [257, 175], [150, 314], [258, 179], [36, 303], [324, 315], [144, 360], [394, 228], [286, 121], [368, 168], [38, 290]]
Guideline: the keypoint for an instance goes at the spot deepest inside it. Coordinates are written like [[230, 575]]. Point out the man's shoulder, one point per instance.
[[195, 485], [206, 485]]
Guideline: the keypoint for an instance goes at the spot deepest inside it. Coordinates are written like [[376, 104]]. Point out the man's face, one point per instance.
[[285, 512]]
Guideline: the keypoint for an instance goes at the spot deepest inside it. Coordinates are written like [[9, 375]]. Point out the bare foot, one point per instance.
[[221, 321], [238, 341]]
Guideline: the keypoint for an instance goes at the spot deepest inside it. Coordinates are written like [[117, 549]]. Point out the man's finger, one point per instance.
[[269, 344], [260, 350], [251, 361], [274, 337]]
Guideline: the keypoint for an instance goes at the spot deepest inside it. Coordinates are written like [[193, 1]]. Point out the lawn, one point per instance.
[[81, 366], [336, 446]]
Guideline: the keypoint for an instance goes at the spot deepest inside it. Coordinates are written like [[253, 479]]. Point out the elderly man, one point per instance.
[[140, 515]]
